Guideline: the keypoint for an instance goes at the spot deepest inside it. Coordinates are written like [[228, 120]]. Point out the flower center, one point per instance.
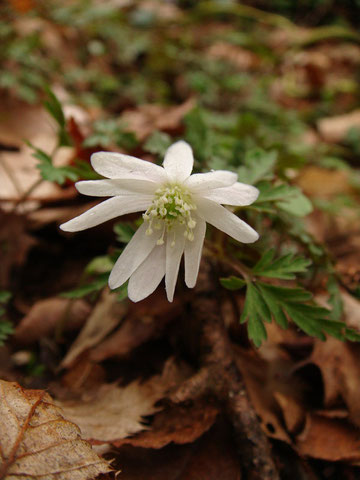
[[172, 205]]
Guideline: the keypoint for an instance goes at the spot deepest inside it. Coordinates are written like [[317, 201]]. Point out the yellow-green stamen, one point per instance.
[[172, 205]]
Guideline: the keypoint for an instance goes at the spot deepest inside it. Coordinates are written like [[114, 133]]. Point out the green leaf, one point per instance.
[[255, 312], [158, 143], [124, 232], [352, 335], [57, 174], [98, 284], [6, 329], [4, 296], [297, 204], [311, 318], [335, 300], [258, 165], [286, 197], [53, 106], [283, 268], [232, 283], [102, 264]]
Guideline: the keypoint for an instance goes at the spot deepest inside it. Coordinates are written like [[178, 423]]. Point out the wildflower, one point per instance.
[[177, 206]]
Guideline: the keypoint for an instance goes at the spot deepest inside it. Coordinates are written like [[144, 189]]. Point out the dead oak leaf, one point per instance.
[[112, 413], [37, 442]]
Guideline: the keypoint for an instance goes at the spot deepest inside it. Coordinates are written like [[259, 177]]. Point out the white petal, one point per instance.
[[147, 277], [110, 188], [111, 208], [226, 221], [204, 182], [193, 251], [239, 194], [133, 255], [116, 165], [173, 258], [178, 161]]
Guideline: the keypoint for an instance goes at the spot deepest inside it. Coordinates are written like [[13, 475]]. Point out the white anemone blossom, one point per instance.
[[177, 206]]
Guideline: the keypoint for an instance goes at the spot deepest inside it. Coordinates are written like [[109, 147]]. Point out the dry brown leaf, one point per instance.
[[241, 58], [37, 442], [18, 170], [45, 315], [260, 384], [112, 413], [322, 182], [293, 411], [329, 439], [145, 320], [351, 310], [334, 129], [339, 365], [15, 242], [179, 424], [211, 457], [148, 118], [107, 313]]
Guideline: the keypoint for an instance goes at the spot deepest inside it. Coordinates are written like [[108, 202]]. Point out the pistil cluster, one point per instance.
[[172, 205]]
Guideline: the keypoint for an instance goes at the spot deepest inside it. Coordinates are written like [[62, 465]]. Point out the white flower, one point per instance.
[[177, 206]]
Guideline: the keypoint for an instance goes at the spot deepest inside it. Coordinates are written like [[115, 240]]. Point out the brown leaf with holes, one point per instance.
[[262, 380], [178, 423], [45, 315], [37, 442]]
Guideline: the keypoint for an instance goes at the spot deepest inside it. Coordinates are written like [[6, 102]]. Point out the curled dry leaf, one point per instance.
[[45, 315], [37, 442]]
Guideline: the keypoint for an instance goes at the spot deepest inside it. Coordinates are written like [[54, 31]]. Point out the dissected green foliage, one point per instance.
[[237, 124], [6, 327], [266, 302]]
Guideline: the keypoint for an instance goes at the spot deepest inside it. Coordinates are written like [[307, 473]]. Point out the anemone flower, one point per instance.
[[177, 206]]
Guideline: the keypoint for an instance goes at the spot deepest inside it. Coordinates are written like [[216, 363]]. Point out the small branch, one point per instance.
[[10, 174], [220, 376]]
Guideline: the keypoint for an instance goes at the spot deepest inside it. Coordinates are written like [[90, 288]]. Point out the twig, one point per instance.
[[220, 376], [10, 174]]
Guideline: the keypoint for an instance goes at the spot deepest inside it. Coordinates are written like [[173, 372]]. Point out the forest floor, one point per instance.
[[165, 391]]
